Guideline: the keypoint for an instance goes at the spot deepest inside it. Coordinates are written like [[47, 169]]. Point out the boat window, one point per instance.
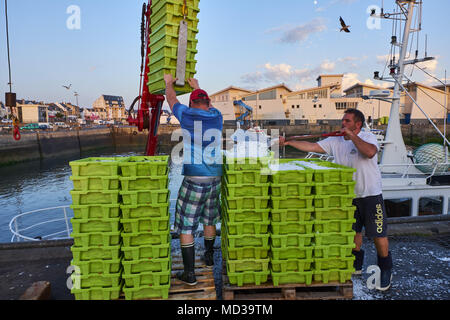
[[430, 206], [398, 207]]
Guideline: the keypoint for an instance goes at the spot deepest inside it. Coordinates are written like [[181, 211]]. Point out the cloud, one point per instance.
[[302, 32], [277, 73], [349, 80]]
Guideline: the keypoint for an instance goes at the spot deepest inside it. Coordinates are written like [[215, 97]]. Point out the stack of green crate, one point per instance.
[[333, 220], [291, 224], [146, 229], [245, 220], [165, 24], [96, 229]]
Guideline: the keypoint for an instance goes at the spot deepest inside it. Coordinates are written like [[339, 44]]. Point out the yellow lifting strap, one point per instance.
[[184, 9]]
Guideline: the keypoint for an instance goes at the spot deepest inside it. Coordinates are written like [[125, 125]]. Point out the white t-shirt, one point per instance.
[[367, 175]]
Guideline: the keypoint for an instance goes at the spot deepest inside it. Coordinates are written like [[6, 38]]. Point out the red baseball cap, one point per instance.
[[198, 94]]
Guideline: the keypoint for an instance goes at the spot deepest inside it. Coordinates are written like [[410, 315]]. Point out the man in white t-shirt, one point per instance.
[[359, 149]]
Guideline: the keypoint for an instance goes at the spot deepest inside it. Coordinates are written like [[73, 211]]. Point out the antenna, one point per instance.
[[426, 45], [7, 46]]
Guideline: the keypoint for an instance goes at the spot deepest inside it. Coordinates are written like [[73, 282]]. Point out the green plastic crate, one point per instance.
[[147, 292], [175, 7], [332, 251], [290, 176], [98, 266], [95, 225], [341, 188], [337, 173], [297, 202], [345, 213], [333, 201], [291, 240], [291, 253], [244, 265], [96, 167], [92, 239], [164, 18], [248, 277], [145, 238], [291, 265], [95, 183], [238, 228], [248, 190], [291, 227], [326, 276], [146, 265], [328, 226], [97, 280], [169, 62], [147, 279], [146, 252], [344, 238], [101, 211], [247, 164], [97, 293], [240, 241], [242, 203], [96, 253], [246, 177], [157, 84], [145, 225], [94, 197], [289, 277], [333, 263], [247, 215], [168, 51], [144, 183], [152, 197], [145, 166], [294, 215], [244, 252], [145, 211], [291, 189]]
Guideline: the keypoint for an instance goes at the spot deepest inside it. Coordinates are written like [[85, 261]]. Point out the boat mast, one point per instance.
[[394, 152]]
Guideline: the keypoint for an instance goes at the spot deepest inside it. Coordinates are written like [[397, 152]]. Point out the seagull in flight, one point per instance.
[[68, 87], [345, 27]]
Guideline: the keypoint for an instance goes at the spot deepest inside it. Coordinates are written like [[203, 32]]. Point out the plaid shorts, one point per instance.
[[197, 203]]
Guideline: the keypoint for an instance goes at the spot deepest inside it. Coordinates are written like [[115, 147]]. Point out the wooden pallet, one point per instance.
[[205, 289], [267, 291]]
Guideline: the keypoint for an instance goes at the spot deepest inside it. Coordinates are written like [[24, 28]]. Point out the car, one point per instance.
[[7, 121], [31, 126]]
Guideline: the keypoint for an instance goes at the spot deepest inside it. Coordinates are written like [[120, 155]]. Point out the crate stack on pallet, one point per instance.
[[291, 259], [165, 25], [245, 220], [146, 228], [333, 220], [96, 229]]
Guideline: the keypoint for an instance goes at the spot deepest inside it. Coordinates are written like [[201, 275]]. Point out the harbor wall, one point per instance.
[[44, 145]]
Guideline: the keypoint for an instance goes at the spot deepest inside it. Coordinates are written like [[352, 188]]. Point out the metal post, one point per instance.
[[17, 230]]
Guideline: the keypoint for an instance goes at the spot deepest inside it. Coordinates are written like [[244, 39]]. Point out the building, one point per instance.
[[3, 111], [32, 112], [223, 101], [431, 99], [110, 108], [267, 103]]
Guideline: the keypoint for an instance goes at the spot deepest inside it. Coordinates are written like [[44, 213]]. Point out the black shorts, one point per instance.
[[370, 213]]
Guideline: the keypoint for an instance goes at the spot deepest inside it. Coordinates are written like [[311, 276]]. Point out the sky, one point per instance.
[[251, 44]]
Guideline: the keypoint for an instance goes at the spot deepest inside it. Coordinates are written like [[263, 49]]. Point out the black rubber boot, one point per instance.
[[209, 252], [188, 276], [385, 265], [359, 260]]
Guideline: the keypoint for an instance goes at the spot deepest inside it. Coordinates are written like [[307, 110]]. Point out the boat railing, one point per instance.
[[18, 232]]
